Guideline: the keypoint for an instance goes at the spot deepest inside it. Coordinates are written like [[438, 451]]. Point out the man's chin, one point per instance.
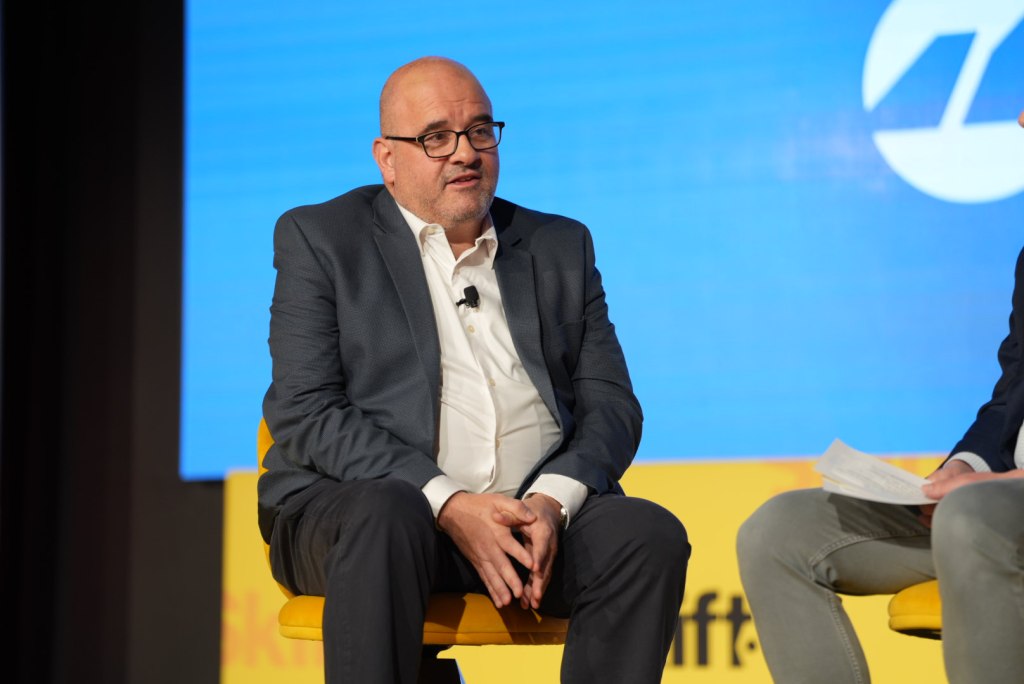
[[471, 208]]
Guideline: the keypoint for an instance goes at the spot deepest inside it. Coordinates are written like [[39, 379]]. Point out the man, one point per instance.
[[452, 410], [802, 548]]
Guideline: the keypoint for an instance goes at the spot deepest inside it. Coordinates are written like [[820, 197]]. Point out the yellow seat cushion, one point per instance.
[[917, 611], [452, 620]]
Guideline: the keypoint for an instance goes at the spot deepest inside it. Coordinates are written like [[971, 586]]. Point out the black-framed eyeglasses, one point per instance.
[[482, 136]]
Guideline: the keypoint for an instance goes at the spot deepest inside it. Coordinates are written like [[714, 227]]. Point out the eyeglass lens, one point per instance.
[[443, 143]]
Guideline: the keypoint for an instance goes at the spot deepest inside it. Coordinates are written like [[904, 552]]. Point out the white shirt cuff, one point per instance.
[[973, 460], [439, 490], [565, 490]]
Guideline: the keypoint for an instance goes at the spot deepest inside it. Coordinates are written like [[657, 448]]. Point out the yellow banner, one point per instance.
[[715, 642]]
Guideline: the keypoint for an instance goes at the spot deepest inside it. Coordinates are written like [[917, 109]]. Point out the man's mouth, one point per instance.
[[464, 180]]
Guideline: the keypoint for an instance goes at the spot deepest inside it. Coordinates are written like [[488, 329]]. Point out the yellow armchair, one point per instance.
[[451, 620], [917, 611]]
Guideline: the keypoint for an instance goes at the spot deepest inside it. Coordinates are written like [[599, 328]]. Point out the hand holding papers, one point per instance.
[[853, 473]]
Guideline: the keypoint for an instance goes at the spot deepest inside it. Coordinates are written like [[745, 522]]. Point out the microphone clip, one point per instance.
[[471, 298]]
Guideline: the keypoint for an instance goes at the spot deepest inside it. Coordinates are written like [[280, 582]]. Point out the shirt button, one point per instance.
[[471, 329], [497, 443], [490, 381]]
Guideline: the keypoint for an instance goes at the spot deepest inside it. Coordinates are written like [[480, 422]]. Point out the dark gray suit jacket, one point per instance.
[[993, 436], [356, 358]]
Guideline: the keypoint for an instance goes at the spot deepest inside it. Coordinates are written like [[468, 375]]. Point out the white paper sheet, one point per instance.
[[853, 473]]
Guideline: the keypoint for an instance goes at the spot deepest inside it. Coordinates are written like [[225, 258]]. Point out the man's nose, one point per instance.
[[464, 152]]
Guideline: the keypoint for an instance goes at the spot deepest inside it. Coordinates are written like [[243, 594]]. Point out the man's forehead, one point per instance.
[[429, 78], [440, 84], [426, 99]]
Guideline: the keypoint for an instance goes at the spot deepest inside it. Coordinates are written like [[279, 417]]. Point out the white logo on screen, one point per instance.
[[953, 161]]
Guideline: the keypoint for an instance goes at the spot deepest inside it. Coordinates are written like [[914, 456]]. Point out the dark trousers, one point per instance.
[[372, 549]]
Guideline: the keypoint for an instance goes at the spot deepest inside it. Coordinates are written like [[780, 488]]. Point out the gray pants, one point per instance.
[[800, 549]]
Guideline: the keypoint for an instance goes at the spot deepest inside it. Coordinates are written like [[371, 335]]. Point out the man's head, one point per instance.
[[426, 95], [1020, 119]]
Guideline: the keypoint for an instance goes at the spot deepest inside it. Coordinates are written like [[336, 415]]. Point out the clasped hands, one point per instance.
[[481, 525]]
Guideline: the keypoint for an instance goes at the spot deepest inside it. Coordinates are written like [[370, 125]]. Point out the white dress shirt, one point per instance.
[[494, 426]]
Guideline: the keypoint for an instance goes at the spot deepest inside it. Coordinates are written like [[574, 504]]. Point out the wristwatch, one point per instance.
[[563, 513]]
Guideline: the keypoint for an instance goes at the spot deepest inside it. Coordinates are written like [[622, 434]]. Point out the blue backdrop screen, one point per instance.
[[806, 213]]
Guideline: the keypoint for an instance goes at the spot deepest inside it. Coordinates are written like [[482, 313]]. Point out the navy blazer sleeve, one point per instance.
[[993, 433]]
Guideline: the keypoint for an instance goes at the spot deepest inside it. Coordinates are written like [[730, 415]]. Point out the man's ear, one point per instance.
[[385, 158]]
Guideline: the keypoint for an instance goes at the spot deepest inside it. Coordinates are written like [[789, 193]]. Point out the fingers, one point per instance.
[[481, 526], [933, 490], [513, 512], [508, 544], [536, 585], [525, 600], [533, 591], [541, 547], [938, 488], [498, 592], [490, 557], [542, 542], [947, 478], [498, 574], [925, 518], [950, 469], [502, 585]]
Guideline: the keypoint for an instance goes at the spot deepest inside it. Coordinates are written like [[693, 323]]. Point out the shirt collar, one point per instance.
[[422, 231]]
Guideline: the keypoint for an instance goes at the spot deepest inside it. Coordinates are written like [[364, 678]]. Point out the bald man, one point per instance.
[[452, 410], [802, 549]]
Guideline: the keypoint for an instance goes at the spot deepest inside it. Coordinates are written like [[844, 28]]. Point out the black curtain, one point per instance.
[[110, 564]]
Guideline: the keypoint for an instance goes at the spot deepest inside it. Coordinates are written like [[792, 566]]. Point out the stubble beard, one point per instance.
[[469, 207]]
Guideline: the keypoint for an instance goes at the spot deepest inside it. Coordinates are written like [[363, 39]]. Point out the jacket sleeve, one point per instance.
[[986, 434], [606, 416], [307, 407]]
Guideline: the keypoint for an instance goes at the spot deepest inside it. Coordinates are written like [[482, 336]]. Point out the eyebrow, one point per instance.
[[444, 124]]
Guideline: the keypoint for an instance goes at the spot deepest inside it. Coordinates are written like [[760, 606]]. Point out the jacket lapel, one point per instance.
[[405, 266], [514, 268]]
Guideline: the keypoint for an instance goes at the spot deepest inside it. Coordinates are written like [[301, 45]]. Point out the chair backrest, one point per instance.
[[264, 441]]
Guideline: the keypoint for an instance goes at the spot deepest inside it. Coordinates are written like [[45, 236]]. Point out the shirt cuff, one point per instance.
[[439, 490], [971, 459], [565, 490]]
